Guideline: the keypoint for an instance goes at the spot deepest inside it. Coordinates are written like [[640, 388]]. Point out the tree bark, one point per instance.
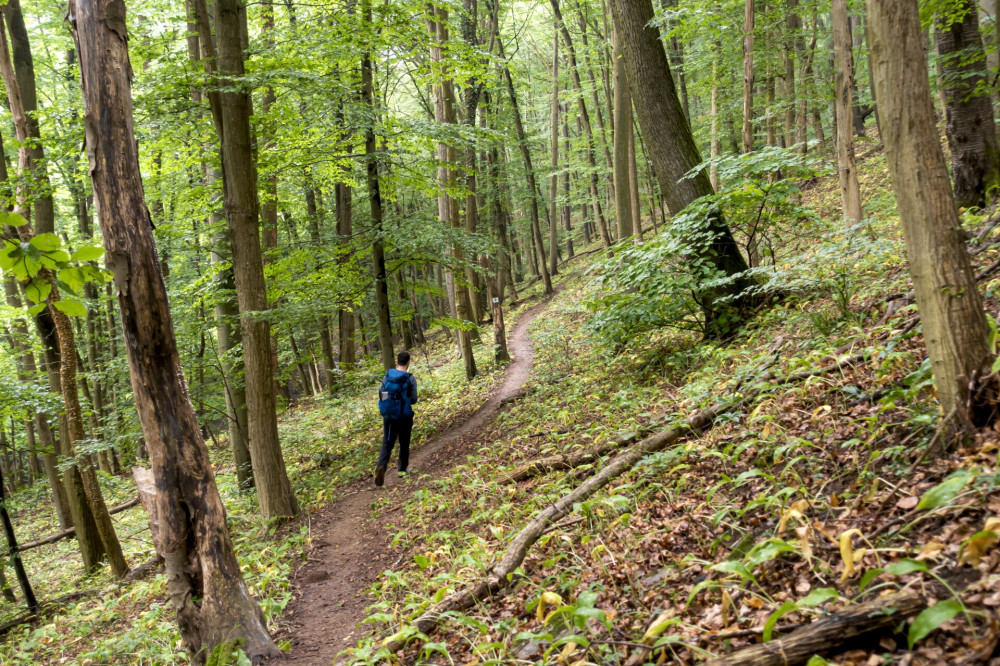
[[972, 139], [623, 131], [850, 193], [239, 175], [203, 576], [956, 332]]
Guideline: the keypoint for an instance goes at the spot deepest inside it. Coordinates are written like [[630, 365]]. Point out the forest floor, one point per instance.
[[348, 551]]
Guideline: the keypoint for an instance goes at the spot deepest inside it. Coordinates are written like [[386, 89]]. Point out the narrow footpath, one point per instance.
[[348, 552]]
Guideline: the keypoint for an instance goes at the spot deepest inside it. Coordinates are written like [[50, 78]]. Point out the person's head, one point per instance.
[[403, 359]]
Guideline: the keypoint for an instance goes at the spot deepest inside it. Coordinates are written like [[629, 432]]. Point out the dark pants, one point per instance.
[[396, 429]]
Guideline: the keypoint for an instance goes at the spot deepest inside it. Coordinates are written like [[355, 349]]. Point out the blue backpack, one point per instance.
[[394, 396]]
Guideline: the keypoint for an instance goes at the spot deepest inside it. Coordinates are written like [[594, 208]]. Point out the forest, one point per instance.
[[700, 299]]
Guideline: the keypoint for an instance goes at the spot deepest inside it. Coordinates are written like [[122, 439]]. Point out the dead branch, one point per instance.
[[828, 633], [52, 538]]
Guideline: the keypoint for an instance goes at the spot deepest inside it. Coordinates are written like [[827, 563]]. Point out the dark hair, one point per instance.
[[403, 358]]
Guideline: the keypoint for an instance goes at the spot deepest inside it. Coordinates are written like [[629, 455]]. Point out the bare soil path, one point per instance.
[[349, 552]]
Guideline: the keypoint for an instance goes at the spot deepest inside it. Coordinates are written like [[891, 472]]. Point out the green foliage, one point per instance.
[[42, 262]]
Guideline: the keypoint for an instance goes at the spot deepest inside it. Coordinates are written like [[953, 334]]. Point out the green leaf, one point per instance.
[[906, 566], [46, 242], [783, 609], [818, 596], [945, 491], [38, 290], [817, 660], [73, 278], [422, 561], [932, 618], [71, 308], [11, 218], [35, 309], [87, 253], [867, 578]]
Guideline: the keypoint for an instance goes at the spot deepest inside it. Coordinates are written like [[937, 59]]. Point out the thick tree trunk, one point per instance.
[[623, 131], [975, 155], [748, 75], [850, 193], [274, 492], [956, 332], [203, 576], [669, 139]]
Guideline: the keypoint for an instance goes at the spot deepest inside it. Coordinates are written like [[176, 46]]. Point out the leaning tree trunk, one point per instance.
[[956, 332], [671, 144], [850, 193], [239, 173], [975, 157], [204, 580], [554, 163]]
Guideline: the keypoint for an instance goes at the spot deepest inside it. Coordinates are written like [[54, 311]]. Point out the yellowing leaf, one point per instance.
[[796, 510], [847, 553], [822, 411], [547, 599], [980, 543], [930, 551], [567, 652], [660, 624], [804, 544]]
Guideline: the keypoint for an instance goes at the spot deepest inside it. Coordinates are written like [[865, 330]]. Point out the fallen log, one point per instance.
[[59, 536], [828, 633]]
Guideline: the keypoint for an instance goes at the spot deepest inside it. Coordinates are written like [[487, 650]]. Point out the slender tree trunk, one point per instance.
[[633, 177], [554, 164], [850, 193], [792, 27], [585, 119], [274, 491], [522, 141], [951, 310], [444, 112], [972, 139], [566, 207], [748, 76]]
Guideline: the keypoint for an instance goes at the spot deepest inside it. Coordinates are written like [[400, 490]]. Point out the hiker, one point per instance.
[[396, 399]]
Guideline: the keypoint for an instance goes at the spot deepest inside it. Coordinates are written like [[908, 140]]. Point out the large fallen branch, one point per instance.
[[52, 538], [828, 633]]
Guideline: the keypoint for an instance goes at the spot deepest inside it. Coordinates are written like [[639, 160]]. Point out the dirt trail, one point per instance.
[[349, 552]]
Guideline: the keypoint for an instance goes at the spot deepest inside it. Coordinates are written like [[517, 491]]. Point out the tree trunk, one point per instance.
[[522, 141], [748, 76], [203, 576], [972, 139], [850, 193], [670, 142], [585, 119], [566, 208], [792, 27], [956, 332], [345, 318], [239, 172], [633, 176], [375, 205], [554, 164], [623, 130]]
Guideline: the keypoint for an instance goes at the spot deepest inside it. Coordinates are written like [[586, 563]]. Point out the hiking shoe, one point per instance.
[[380, 475]]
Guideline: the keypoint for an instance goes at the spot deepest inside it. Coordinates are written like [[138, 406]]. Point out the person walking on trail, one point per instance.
[[396, 398]]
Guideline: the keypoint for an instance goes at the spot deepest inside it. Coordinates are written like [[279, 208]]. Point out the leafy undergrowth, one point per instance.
[[328, 442], [816, 496]]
